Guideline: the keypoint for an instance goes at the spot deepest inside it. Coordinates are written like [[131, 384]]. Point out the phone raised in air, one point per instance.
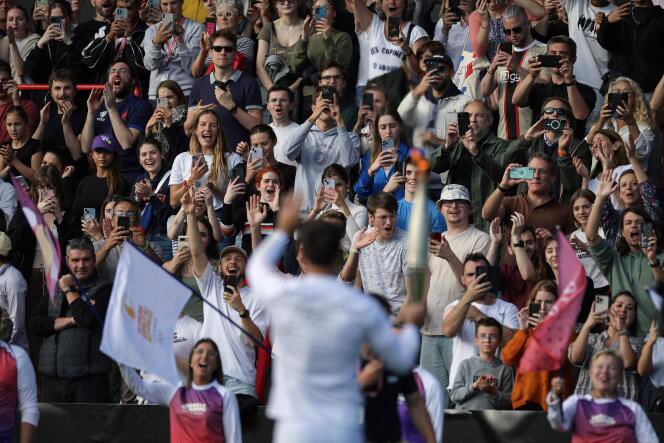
[[646, 233], [210, 25], [602, 305], [393, 28], [368, 100], [506, 47], [522, 173], [492, 274], [463, 122], [549, 61]]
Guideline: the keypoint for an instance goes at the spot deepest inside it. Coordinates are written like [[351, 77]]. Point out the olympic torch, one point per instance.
[[418, 229]]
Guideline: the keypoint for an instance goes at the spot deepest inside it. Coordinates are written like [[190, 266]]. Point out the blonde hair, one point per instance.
[[609, 353], [642, 112], [219, 165]]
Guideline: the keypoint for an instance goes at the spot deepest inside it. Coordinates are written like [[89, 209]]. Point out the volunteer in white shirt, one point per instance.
[[226, 291], [321, 325]]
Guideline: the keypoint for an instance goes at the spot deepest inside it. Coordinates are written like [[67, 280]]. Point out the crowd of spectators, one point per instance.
[[535, 116]]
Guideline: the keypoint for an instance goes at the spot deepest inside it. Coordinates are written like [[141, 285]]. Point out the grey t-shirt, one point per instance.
[[383, 269]]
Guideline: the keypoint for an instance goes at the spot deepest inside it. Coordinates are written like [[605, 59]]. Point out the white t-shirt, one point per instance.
[[378, 56], [589, 264], [181, 170], [444, 287], [282, 133], [464, 342], [237, 352], [591, 59], [657, 372], [434, 399]]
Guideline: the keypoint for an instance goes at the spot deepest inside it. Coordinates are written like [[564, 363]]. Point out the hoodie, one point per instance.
[[467, 398]]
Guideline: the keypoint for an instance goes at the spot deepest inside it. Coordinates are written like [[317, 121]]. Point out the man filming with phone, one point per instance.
[[536, 87], [480, 300]]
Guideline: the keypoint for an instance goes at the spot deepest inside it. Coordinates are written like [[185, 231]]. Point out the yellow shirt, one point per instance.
[[194, 10]]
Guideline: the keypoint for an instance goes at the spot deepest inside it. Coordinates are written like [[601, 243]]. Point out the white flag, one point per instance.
[[145, 304]]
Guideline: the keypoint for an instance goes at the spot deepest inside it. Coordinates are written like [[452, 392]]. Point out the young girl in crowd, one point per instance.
[[167, 122], [22, 155]]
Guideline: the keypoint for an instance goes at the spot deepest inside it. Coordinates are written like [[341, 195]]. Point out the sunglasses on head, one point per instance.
[[223, 48], [515, 30], [560, 111]]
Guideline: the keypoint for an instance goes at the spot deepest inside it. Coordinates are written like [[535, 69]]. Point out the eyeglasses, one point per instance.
[[515, 30], [226, 49], [327, 78], [450, 203], [283, 2], [119, 71], [540, 172], [227, 14], [490, 337], [560, 111]]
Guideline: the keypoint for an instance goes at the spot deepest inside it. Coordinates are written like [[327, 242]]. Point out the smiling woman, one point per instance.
[[201, 408]]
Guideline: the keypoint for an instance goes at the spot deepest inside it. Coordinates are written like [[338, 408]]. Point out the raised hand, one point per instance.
[[365, 238], [496, 231], [606, 185], [256, 211]]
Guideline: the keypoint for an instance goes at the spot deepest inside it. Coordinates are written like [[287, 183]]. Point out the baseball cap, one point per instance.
[[453, 192], [105, 142], [229, 249], [5, 244], [445, 59]]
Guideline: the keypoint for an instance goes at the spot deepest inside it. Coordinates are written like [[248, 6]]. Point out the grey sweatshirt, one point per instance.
[[466, 397], [314, 150]]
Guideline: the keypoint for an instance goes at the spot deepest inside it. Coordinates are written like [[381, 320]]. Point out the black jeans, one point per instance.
[[85, 389]]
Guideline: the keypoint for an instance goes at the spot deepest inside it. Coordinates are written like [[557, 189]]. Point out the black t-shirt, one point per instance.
[[540, 92], [54, 136], [83, 35], [381, 417], [25, 153], [92, 192]]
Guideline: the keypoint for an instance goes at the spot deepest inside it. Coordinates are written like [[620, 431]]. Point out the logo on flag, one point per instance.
[[144, 307], [549, 341]]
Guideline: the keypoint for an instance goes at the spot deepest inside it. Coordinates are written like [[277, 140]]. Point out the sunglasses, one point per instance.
[[516, 30], [226, 49], [560, 111]]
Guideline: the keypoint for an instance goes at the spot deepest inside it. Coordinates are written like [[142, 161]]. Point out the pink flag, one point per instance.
[[549, 341], [50, 247]]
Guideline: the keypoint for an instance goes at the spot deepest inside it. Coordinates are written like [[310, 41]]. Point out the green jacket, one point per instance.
[[486, 170], [338, 47], [567, 176], [630, 272]]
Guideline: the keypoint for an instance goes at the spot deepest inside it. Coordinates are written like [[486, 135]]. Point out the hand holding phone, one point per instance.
[[393, 28], [602, 306], [522, 173], [646, 233], [463, 122]]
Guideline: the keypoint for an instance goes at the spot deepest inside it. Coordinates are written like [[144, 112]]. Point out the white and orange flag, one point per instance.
[[549, 341]]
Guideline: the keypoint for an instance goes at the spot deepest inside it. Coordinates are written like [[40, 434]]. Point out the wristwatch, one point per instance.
[[654, 265], [519, 244], [66, 291], [244, 314], [233, 110]]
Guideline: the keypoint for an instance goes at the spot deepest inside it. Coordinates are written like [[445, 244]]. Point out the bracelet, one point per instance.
[[488, 71], [503, 190], [245, 313], [654, 265], [353, 251], [623, 334], [571, 84]]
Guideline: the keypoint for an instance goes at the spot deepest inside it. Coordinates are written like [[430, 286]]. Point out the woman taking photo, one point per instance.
[[530, 389], [202, 391], [105, 181], [23, 154], [387, 152], [167, 122], [619, 336], [213, 161], [602, 414], [55, 49]]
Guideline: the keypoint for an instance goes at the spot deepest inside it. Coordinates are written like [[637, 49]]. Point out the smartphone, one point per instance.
[[329, 183], [124, 222], [197, 159], [393, 30], [616, 99], [255, 152], [230, 280], [555, 125], [320, 13], [327, 93], [522, 172], [367, 100], [388, 143], [41, 3], [57, 22], [155, 10], [168, 20], [22, 181], [89, 213], [492, 274], [602, 305], [505, 47], [45, 194], [463, 122], [438, 236], [453, 6], [238, 172], [183, 242], [198, 184], [210, 26], [432, 64], [121, 13], [162, 102], [646, 233], [533, 309], [549, 61]]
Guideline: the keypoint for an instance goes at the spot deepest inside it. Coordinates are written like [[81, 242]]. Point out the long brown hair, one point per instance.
[[218, 374], [549, 286], [114, 176], [376, 142], [47, 177], [219, 164], [619, 156]]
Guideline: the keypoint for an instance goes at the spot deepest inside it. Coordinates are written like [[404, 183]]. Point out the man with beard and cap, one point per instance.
[[97, 27], [478, 151], [227, 291], [427, 107], [116, 110]]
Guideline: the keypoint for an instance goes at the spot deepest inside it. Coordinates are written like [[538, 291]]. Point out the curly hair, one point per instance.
[[642, 112]]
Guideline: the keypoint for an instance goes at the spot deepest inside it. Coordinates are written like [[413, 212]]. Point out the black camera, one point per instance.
[[555, 125]]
